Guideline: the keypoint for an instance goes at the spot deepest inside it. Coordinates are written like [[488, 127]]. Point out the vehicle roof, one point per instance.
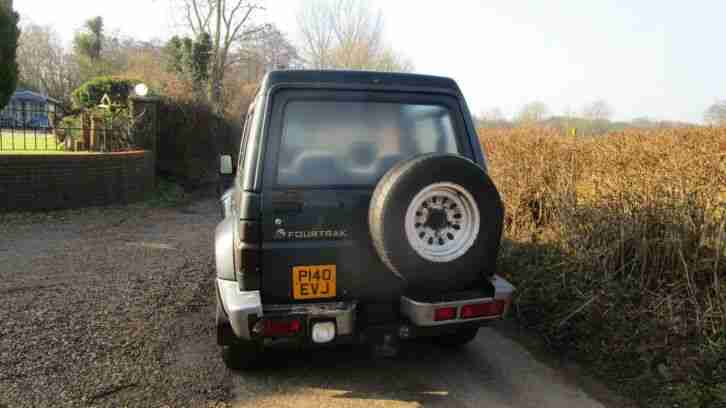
[[374, 79]]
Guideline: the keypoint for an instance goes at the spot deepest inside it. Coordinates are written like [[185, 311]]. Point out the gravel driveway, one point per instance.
[[114, 307]]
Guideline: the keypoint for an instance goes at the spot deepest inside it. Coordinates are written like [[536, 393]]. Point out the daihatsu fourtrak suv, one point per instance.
[[360, 210]]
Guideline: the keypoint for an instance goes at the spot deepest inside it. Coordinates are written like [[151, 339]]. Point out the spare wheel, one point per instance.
[[436, 222]]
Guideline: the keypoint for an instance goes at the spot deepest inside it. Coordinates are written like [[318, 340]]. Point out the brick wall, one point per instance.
[[37, 182]]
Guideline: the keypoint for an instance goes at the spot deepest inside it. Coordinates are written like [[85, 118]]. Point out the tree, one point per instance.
[[44, 65], [96, 53], [492, 115], [271, 49], [9, 35], [174, 55], [598, 110], [715, 115], [229, 23], [89, 43], [532, 113], [644, 122], [346, 34], [190, 59], [200, 57], [492, 118]]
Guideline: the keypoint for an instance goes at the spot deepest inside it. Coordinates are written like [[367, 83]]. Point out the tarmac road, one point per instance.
[[493, 371]]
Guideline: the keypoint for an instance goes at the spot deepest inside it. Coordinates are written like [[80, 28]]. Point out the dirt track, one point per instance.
[[114, 307]]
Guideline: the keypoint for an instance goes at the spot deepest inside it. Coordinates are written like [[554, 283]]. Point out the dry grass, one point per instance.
[[618, 246]]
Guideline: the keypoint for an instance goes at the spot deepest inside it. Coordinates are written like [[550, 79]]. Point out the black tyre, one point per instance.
[[458, 338], [237, 354], [436, 222], [243, 355]]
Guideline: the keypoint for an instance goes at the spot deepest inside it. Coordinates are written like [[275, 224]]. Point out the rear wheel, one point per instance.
[[237, 354], [242, 355], [458, 338]]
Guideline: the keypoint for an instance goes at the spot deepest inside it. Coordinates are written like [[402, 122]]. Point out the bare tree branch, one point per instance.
[[229, 24], [346, 34]]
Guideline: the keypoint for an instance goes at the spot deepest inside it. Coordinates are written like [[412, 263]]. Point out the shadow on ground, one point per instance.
[[422, 373]]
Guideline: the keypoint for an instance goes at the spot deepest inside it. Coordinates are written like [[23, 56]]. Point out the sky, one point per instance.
[[661, 59]]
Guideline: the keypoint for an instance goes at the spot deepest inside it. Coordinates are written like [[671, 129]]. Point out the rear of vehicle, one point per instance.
[[360, 212]]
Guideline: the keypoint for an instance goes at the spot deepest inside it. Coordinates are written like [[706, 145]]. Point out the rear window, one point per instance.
[[354, 143]]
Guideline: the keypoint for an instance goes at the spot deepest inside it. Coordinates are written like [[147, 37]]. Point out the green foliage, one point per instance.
[[70, 122], [167, 194], [201, 52], [95, 53], [191, 137], [89, 94], [9, 34], [174, 55], [89, 43], [190, 59]]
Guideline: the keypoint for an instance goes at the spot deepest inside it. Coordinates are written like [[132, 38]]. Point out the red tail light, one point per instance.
[[495, 308], [281, 328], [444, 313]]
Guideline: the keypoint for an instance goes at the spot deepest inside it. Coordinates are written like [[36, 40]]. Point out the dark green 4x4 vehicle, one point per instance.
[[360, 210]]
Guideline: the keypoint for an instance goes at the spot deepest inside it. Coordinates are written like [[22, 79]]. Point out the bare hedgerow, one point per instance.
[[619, 249]]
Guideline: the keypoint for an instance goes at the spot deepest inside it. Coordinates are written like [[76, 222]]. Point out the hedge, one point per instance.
[[90, 93]]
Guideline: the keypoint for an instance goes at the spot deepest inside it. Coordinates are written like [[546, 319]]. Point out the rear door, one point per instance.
[[324, 153]]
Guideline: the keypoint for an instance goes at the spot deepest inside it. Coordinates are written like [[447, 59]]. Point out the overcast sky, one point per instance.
[[663, 59]]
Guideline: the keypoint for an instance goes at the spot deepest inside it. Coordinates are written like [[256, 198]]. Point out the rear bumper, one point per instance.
[[241, 307], [423, 313], [244, 308]]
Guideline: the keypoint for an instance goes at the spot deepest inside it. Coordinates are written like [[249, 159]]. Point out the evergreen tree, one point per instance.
[[190, 59], [9, 35]]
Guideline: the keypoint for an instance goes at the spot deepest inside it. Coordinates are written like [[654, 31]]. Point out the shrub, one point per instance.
[[191, 138], [618, 247], [90, 93]]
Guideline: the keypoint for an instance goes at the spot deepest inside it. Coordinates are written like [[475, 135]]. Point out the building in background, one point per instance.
[[28, 109]]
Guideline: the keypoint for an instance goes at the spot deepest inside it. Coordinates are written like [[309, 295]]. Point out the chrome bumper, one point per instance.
[[422, 313], [342, 312], [240, 306]]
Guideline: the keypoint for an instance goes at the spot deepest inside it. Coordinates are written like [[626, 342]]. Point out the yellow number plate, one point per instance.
[[313, 281]]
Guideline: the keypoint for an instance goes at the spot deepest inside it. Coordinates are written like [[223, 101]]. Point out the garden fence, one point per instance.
[[25, 130]]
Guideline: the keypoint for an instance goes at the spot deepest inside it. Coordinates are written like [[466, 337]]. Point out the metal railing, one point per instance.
[[24, 130]]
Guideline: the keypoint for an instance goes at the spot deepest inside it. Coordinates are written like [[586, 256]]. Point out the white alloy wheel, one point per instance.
[[442, 222]]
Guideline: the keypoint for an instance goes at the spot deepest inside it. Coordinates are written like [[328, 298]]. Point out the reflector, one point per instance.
[[482, 309], [277, 328], [445, 313]]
